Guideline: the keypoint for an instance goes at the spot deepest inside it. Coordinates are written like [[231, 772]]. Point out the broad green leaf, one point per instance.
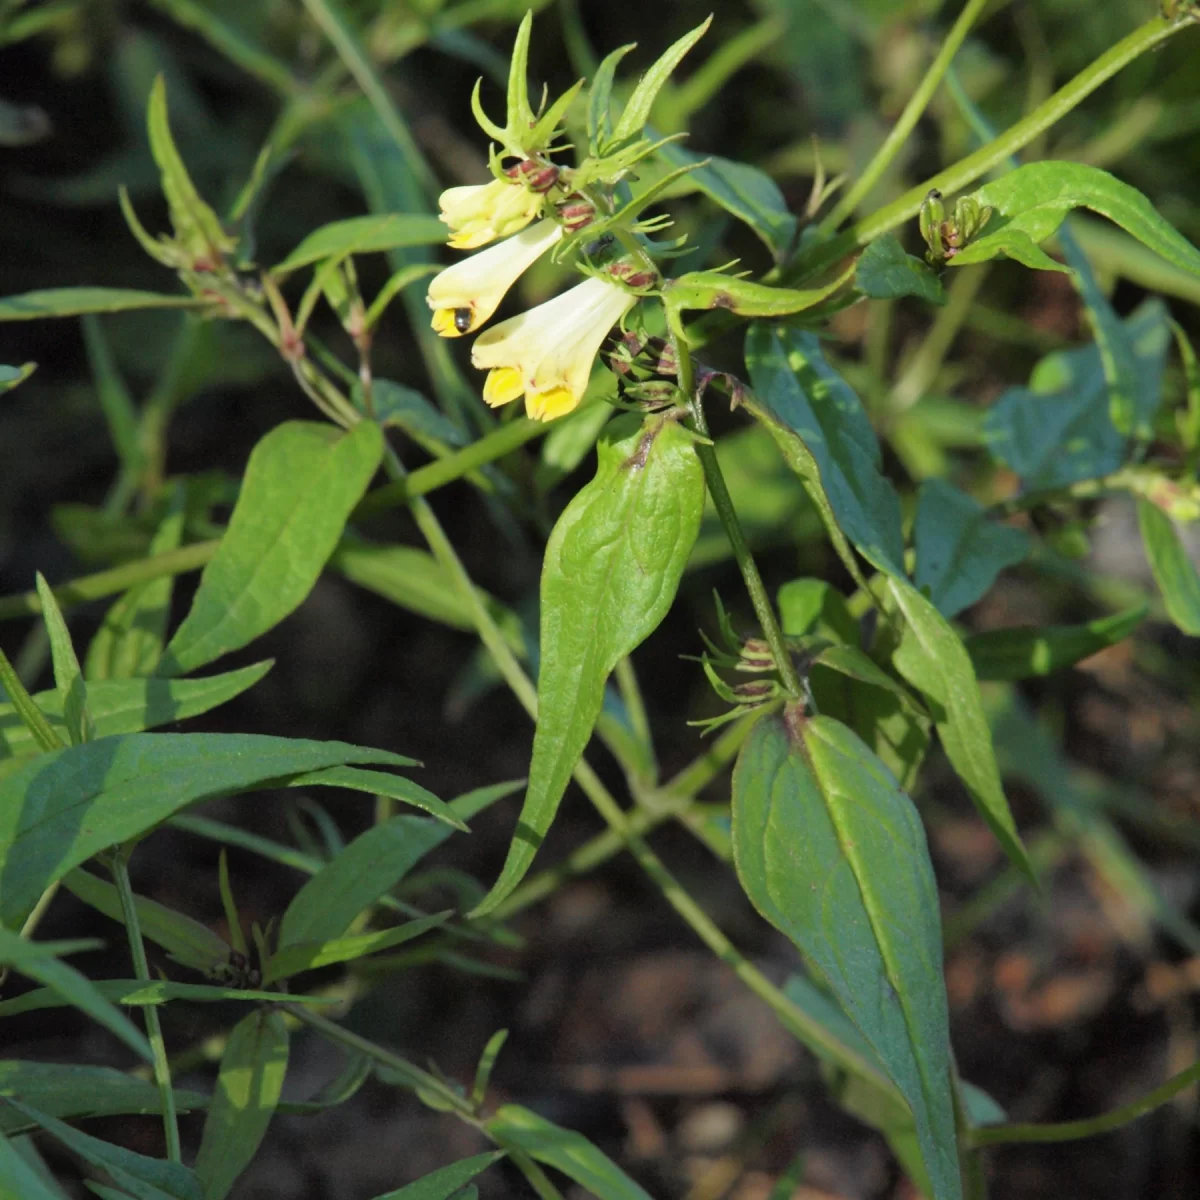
[[61, 808], [302, 482], [365, 235], [378, 783], [516, 1128], [72, 302], [1026, 652], [188, 941], [444, 1182], [612, 566], [131, 705], [143, 1178], [933, 659], [18, 1178], [816, 606], [886, 272], [40, 961], [637, 109], [960, 551], [307, 956], [1174, 571], [244, 1100], [743, 191], [714, 290], [68, 678], [1035, 199], [138, 994], [197, 228], [832, 853], [72, 1092], [1059, 430], [130, 640], [799, 397], [11, 377]]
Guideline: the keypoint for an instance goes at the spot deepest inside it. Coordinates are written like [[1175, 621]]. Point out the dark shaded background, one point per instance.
[[622, 1025]]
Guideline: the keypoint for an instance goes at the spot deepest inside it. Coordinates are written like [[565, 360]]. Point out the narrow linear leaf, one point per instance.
[[302, 482], [1174, 571], [11, 377], [599, 119], [18, 1179], [248, 1087], [364, 235], [518, 1129], [136, 993], [24, 712], [60, 809], [68, 678], [716, 290], [379, 783], [832, 853], [637, 110], [73, 302], [444, 1182], [612, 567], [40, 961]]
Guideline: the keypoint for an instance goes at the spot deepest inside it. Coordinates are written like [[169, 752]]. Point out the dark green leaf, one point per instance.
[[68, 678], [444, 1182], [39, 960], [302, 482], [516, 1128], [11, 377], [1174, 571], [612, 566], [365, 235], [886, 272], [1023, 653], [71, 302], [18, 1178], [393, 404], [248, 1087], [131, 705], [60, 809], [960, 551], [143, 1178], [832, 853]]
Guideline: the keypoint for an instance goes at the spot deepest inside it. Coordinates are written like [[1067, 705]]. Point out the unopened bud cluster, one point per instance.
[[945, 235]]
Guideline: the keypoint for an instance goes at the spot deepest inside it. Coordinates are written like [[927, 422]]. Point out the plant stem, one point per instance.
[[723, 503], [968, 169], [1070, 1131], [895, 140], [119, 865]]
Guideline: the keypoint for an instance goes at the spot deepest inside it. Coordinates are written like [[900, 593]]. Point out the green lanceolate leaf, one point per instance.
[[24, 712], [444, 1182], [599, 119], [70, 1092], [800, 398], [1174, 571], [187, 940], [63, 807], [364, 235], [1059, 429], [886, 272], [130, 705], [612, 566], [743, 191], [960, 551], [517, 1129], [637, 111], [20, 1178], [302, 482], [713, 290], [136, 993], [1027, 652], [40, 961], [833, 854], [72, 302], [1033, 200], [247, 1091], [11, 377], [934, 660], [143, 1178], [68, 678]]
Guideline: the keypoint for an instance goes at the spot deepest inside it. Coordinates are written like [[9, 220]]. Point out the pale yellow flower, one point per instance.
[[479, 213], [465, 295], [546, 354]]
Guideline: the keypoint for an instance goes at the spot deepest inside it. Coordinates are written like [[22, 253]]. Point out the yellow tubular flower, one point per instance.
[[482, 212], [465, 295], [547, 353]]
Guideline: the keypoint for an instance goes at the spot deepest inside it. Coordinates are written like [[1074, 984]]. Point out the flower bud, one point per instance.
[[537, 176], [576, 212]]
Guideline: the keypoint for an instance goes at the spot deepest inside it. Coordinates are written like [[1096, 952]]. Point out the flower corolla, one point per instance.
[[479, 213]]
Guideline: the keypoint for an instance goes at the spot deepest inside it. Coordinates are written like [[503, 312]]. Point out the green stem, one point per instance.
[[119, 865], [1070, 1131], [723, 503], [968, 169], [635, 706], [895, 140]]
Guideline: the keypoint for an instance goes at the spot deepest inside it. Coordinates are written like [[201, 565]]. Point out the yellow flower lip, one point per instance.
[[547, 352], [465, 295]]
